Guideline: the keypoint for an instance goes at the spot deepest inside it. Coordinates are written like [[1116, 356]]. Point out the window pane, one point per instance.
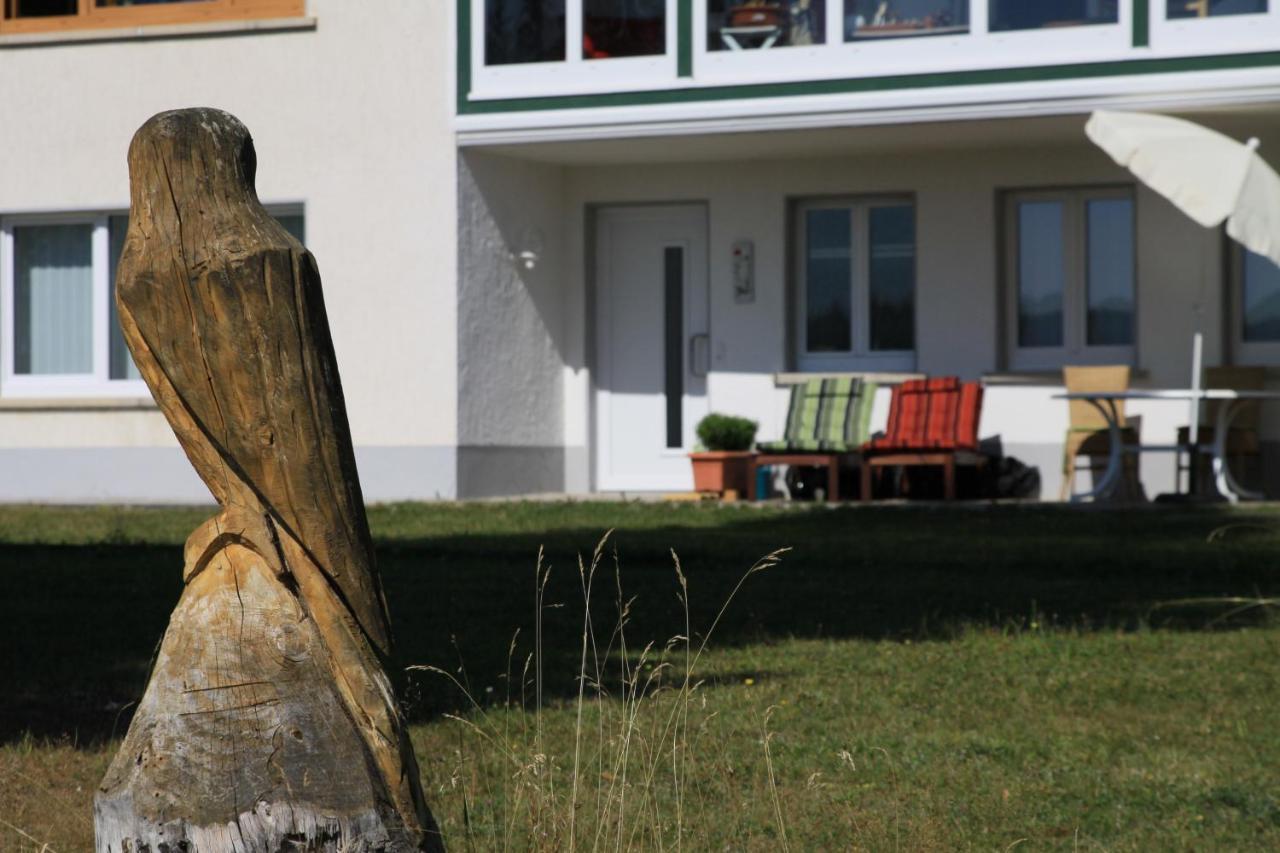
[[53, 299], [737, 25], [295, 225], [1261, 298], [523, 31], [623, 28], [121, 360], [39, 8], [673, 342], [1041, 274], [892, 277], [1210, 8], [1109, 237], [875, 19], [1044, 14], [828, 275], [112, 3]]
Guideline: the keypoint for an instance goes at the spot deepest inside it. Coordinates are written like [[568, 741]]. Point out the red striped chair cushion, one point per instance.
[[932, 414]]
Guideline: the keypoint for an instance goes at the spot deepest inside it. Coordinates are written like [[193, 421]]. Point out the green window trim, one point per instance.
[[1141, 23]]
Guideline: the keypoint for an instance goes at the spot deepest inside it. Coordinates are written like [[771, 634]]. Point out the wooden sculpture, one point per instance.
[[269, 723]]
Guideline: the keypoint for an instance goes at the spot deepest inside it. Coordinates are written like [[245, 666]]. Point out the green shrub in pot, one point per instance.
[[726, 432]]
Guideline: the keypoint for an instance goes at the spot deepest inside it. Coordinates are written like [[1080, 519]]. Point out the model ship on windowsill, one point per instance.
[[886, 24]]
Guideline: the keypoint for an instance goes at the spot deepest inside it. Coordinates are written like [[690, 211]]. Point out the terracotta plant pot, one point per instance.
[[722, 470]]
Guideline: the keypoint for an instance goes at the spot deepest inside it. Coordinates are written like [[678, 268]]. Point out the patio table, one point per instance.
[[1105, 403]]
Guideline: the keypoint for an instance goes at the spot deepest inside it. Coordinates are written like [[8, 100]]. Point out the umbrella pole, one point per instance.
[[1193, 451]]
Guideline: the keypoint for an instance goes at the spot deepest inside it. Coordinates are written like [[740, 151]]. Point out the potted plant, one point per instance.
[[723, 461]]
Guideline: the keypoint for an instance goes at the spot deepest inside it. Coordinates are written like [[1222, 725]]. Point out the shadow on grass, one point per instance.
[[79, 624]]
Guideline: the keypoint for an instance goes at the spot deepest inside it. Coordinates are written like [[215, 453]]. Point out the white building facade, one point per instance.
[[554, 233], [351, 115]]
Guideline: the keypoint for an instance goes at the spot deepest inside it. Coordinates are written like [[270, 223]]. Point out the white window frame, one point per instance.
[[912, 55], [575, 74], [1075, 348], [1242, 351], [98, 382], [836, 59], [1259, 31], [860, 356]]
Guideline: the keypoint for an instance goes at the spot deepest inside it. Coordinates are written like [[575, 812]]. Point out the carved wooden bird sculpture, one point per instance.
[[269, 719]]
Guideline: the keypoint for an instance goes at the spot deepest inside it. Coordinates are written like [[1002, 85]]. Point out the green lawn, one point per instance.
[[906, 678]]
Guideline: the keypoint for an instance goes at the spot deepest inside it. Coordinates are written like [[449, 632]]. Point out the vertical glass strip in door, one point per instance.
[[673, 342]]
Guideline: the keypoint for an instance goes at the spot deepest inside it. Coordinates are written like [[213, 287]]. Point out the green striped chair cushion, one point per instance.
[[826, 416]]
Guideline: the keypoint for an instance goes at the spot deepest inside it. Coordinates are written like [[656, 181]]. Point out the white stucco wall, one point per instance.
[[350, 118], [511, 334]]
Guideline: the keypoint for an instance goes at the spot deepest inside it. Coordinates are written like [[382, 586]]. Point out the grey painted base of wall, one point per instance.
[[486, 471], [162, 475]]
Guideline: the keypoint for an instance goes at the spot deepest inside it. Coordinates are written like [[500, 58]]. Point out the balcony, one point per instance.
[[514, 50]]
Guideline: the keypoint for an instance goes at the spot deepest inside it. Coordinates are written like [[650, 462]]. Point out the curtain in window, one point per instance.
[[53, 299], [122, 366]]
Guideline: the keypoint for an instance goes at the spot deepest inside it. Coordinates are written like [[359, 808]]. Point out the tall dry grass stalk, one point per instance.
[[639, 722]]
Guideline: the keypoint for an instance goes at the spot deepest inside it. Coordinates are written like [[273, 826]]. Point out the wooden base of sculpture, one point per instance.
[[240, 719]]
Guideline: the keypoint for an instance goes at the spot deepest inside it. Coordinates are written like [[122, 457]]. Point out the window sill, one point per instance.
[[1039, 377], [157, 31], [74, 404], [782, 380]]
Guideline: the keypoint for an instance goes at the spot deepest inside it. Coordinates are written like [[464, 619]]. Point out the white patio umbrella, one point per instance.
[[1210, 177]]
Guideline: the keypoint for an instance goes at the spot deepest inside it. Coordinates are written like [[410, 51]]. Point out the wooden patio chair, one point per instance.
[[1087, 431], [932, 422], [827, 419], [1242, 437]]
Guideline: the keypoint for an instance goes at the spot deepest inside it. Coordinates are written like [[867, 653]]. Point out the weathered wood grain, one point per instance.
[[269, 723]]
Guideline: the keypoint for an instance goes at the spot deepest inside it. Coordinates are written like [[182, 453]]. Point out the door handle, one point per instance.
[[699, 355]]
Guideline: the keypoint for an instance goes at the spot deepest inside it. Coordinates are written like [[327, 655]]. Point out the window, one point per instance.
[[530, 48], [615, 28], [733, 25], [1071, 276], [875, 19], [25, 16], [1255, 315], [1213, 8], [519, 31], [61, 333], [856, 285], [1045, 14]]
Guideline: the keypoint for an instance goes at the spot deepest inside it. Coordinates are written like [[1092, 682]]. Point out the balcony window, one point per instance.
[[876, 19], [755, 25], [110, 4], [31, 16], [612, 28], [1050, 14], [39, 8], [521, 31], [1213, 8]]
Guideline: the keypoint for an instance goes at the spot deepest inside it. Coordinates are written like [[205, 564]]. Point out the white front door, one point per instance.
[[652, 344]]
